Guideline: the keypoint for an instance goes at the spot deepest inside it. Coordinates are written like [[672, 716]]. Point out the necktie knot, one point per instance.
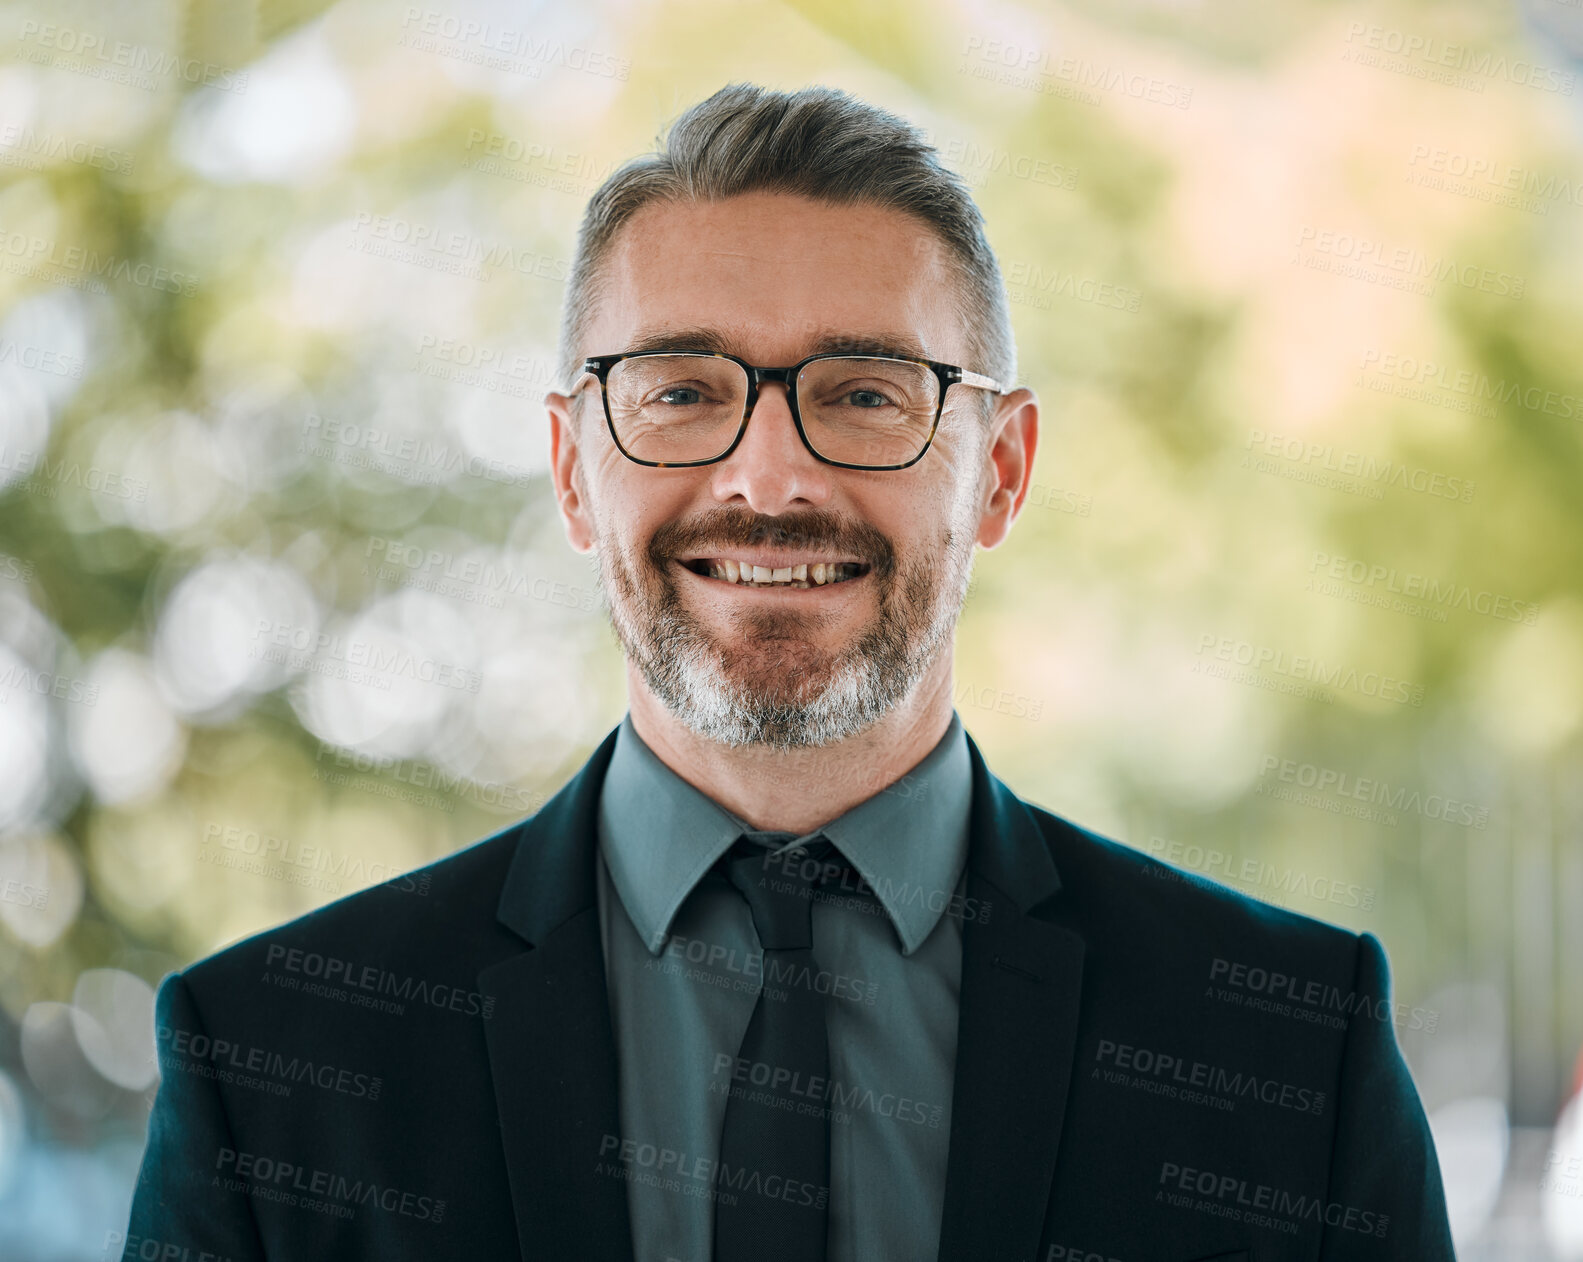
[[779, 888]]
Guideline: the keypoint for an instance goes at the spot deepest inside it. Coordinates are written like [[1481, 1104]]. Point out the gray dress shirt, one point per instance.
[[683, 968]]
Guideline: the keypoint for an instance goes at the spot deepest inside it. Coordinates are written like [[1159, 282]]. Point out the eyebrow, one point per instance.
[[727, 342]]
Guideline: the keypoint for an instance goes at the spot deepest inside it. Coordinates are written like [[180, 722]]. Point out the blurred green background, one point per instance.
[[1296, 601]]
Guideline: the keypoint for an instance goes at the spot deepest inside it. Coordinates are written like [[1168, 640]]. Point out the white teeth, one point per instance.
[[816, 574]]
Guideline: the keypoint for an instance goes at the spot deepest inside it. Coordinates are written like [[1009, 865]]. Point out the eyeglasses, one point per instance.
[[673, 409]]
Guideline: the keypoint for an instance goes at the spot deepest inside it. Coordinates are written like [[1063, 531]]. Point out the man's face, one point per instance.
[[773, 278]]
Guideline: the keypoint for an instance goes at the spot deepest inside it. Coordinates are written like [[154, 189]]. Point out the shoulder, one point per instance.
[[443, 911], [1109, 889], [1169, 950]]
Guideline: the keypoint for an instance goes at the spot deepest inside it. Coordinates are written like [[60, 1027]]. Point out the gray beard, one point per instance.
[[802, 697]]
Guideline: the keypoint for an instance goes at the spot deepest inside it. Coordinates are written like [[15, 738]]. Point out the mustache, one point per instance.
[[724, 528]]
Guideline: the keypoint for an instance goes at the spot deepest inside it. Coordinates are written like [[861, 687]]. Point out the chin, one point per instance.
[[770, 687], [736, 707]]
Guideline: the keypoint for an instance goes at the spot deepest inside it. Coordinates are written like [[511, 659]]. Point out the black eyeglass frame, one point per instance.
[[948, 375]]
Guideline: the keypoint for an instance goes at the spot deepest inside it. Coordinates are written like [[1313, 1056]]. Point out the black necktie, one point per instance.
[[772, 1187]]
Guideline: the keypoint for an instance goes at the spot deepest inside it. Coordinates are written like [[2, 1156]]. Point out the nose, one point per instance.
[[771, 469]]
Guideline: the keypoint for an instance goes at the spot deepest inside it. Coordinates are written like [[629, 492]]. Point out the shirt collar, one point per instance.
[[659, 835]]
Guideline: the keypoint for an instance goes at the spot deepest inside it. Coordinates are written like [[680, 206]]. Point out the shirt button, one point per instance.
[[797, 854]]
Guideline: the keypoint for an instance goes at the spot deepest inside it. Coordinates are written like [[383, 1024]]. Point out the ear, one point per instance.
[[1014, 436], [566, 473]]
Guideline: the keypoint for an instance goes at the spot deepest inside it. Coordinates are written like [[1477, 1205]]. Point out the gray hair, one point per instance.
[[817, 142]]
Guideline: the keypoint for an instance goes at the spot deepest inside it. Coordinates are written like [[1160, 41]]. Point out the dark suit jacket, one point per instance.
[[1150, 1067]]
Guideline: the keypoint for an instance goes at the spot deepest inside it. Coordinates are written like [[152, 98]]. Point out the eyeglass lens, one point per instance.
[[859, 410]]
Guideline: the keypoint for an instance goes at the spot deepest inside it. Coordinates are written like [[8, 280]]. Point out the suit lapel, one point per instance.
[[1016, 1035], [551, 1047]]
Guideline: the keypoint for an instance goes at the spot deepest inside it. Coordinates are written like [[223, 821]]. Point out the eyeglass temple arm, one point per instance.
[[982, 382], [588, 368]]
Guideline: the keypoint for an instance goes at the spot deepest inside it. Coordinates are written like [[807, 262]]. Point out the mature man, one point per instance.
[[784, 971]]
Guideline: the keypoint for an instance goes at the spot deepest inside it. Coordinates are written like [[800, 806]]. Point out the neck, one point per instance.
[[799, 790]]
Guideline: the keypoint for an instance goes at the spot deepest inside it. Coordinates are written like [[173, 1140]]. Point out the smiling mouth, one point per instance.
[[802, 574]]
